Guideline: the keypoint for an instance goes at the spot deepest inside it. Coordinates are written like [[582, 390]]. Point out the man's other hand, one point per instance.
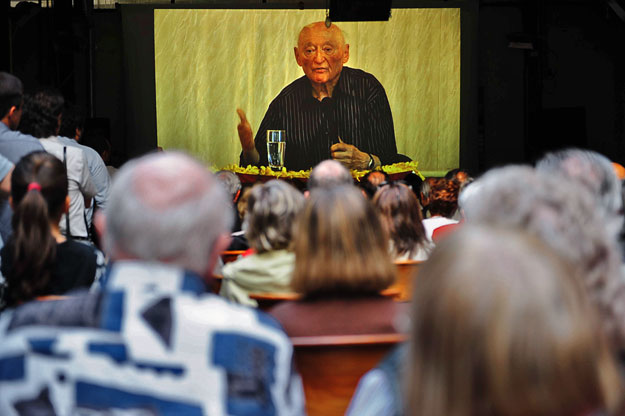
[[350, 156], [246, 137]]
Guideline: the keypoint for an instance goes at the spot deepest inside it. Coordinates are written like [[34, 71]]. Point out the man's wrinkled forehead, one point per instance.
[[317, 30], [166, 182]]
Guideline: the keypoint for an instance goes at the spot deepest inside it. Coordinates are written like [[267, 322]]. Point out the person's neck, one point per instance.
[[321, 91], [56, 232], [5, 121]]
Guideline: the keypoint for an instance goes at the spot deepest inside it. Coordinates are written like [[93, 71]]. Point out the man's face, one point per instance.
[[321, 52]]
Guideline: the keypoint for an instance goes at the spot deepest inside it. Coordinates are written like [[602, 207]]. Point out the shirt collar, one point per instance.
[[142, 276]]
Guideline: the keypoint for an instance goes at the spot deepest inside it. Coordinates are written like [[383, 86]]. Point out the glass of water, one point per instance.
[[276, 146]]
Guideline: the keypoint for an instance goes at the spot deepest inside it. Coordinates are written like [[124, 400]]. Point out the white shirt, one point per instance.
[[431, 224], [79, 184]]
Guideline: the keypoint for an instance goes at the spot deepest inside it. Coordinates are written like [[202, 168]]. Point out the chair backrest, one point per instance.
[[331, 366], [231, 255], [407, 271], [268, 300]]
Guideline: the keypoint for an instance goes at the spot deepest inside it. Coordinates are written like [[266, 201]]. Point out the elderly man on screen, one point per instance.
[[332, 112]]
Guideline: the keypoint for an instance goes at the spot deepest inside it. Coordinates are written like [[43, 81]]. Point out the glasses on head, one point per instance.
[[327, 50]]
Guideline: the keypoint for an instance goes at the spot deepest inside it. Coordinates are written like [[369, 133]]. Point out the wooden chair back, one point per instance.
[[407, 271], [331, 366], [268, 300]]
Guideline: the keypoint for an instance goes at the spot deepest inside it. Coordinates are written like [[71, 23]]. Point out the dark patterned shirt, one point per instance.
[[358, 113]]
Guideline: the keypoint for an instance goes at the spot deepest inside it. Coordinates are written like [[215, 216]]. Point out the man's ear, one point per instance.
[[296, 52], [346, 54]]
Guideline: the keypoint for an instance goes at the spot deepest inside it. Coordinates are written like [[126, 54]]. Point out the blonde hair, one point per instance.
[[503, 326], [340, 245]]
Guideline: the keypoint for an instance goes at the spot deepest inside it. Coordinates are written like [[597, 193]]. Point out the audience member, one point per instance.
[[329, 173], [13, 144], [564, 216], [594, 172], [515, 337], [232, 185], [42, 113], [272, 208], [502, 326], [371, 182], [70, 134], [152, 341], [341, 265], [37, 259], [441, 203], [401, 216], [99, 142]]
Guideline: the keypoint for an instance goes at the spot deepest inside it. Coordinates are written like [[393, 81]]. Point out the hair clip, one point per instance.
[[34, 186]]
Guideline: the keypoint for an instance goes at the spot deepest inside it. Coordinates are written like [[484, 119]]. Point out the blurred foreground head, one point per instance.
[[594, 172], [503, 326], [340, 245], [167, 207], [564, 216]]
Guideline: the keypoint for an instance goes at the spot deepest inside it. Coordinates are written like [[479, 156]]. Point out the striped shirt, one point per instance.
[[358, 112]]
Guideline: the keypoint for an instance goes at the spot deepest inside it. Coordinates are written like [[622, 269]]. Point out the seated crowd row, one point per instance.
[[518, 307]]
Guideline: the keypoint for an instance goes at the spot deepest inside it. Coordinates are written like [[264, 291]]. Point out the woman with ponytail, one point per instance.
[[38, 260]]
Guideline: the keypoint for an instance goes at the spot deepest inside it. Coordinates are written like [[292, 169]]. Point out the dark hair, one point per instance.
[[40, 116], [401, 214], [73, 118], [11, 93], [371, 186], [443, 197], [32, 245]]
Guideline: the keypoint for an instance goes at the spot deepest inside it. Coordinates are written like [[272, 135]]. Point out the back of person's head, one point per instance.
[[98, 141], [502, 326], [41, 113], [231, 183], [401, 216], [443, 197], [340, 245], [593, 171], [166, 207], [271, 210], [329, 173], [563, 215], [72, 122], [11, 92], [38, 196], [372, 181]]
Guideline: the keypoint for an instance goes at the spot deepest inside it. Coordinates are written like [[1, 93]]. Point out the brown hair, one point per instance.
[[503, 326], [340, 245], [401, 215], [443, 197], [32, 245]]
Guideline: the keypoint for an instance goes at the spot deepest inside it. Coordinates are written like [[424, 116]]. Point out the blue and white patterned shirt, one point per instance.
[[151, 342]]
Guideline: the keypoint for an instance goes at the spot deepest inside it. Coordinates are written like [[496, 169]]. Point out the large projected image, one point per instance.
[[210, 62]]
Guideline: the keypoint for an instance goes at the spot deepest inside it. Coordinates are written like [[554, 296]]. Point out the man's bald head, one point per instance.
[[320, 27], [329, 173], [166, 207]]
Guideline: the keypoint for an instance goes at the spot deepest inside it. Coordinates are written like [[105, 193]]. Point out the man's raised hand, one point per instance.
[[246, 137]]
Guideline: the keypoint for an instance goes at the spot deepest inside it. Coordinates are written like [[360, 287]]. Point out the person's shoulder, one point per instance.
[[294, 89], [73, 248]]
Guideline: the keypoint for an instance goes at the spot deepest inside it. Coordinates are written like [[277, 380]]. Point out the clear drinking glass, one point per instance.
[[276, 146]]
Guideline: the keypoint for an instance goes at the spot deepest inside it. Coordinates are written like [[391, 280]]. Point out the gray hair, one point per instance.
[[271, 210], [562, 215], [329, 173], [166, 207], [593, 171], [230, 181]]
